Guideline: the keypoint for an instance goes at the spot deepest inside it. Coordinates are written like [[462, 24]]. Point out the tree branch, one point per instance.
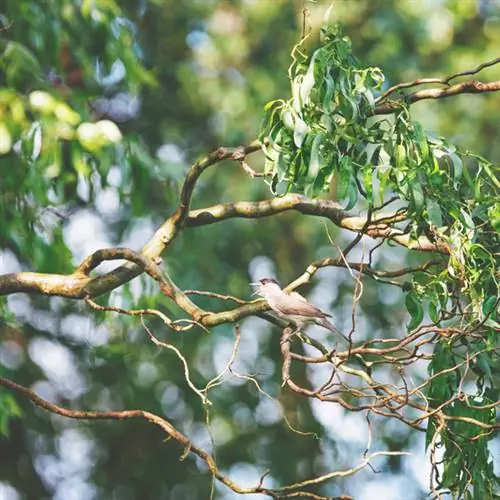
[[380, 226], [289, 491], [469, 87], [80, 284]]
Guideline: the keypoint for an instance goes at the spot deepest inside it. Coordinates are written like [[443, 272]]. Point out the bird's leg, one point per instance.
[[293, 332]]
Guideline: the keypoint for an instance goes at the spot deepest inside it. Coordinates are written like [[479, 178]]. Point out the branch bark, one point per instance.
[[80, 284], [469, 87]]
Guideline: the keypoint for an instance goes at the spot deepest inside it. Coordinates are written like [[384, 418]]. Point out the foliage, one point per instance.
[[54, 134], [322, 129], [326, 131], [465, 464]]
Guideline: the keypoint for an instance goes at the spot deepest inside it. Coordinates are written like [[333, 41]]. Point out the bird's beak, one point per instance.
[[256, 291]]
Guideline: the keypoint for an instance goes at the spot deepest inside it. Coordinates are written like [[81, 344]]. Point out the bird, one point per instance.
[[292, 306]]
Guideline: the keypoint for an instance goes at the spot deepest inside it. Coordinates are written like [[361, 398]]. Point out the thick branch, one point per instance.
[[380, 226], [79, 284]]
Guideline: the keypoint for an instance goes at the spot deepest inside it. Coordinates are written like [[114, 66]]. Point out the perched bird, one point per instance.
[[292, 306]]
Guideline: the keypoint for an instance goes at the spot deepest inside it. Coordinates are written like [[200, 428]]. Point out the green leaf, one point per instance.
[[344, 177], [300, 131], [315, 159], [434, 212], [400, 156], [271, 110], [414, 307], [467, 219], [429, 433], [330, 88], [352, 194], [421, 141], [417, 195], [368, 182], [489, 305], [433, 312], [308, 81], [457, 166]]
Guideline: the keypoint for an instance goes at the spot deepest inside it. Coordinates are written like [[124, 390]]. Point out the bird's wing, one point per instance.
[[298, 296], [295, 304]]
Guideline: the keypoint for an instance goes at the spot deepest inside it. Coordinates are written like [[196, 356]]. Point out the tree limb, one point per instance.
[[468, 87], [80, 284], [380, 226], [289, 491]]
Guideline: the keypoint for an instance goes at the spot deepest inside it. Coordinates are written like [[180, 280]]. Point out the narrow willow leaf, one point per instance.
[[353, 109], [414, 307], [433, 312], [368, 182], [352, 194], [300, 131], [457, 166], [418, 195], [486, 165], [421, 141], [434, 212], [489, 305], [268, 120], [369, 97], [360, 78], [308, 81], [467, 219], [330, 88], [344, 177], [287, 118], [282, 165], [429, 433], [315, 159], [400, 156]]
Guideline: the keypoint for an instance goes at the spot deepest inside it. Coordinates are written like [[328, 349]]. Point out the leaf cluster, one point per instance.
[[328, 131]]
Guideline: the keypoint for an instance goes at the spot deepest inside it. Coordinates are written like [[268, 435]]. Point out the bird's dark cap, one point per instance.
[[266, 281]]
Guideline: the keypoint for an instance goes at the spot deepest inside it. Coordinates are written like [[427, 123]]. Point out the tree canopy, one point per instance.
[[157, 158]]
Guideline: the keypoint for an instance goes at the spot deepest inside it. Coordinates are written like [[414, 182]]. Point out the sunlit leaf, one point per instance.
[[434, 212], [315, 158], [300, 131]]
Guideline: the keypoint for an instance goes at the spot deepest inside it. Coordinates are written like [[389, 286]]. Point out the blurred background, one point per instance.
[[181, 79]]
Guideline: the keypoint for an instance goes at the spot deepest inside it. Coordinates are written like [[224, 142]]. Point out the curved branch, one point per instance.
[[283, 492], [79, 284], [469, 87], [441, 81], [380, 226], [220, 154]]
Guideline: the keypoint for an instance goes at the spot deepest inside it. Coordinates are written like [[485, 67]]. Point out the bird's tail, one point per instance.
[[326, 324]]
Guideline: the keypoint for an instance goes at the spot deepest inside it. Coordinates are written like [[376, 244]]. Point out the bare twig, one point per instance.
[[178, 353]]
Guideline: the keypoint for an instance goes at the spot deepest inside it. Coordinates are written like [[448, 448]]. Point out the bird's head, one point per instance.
[[264, 286]]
